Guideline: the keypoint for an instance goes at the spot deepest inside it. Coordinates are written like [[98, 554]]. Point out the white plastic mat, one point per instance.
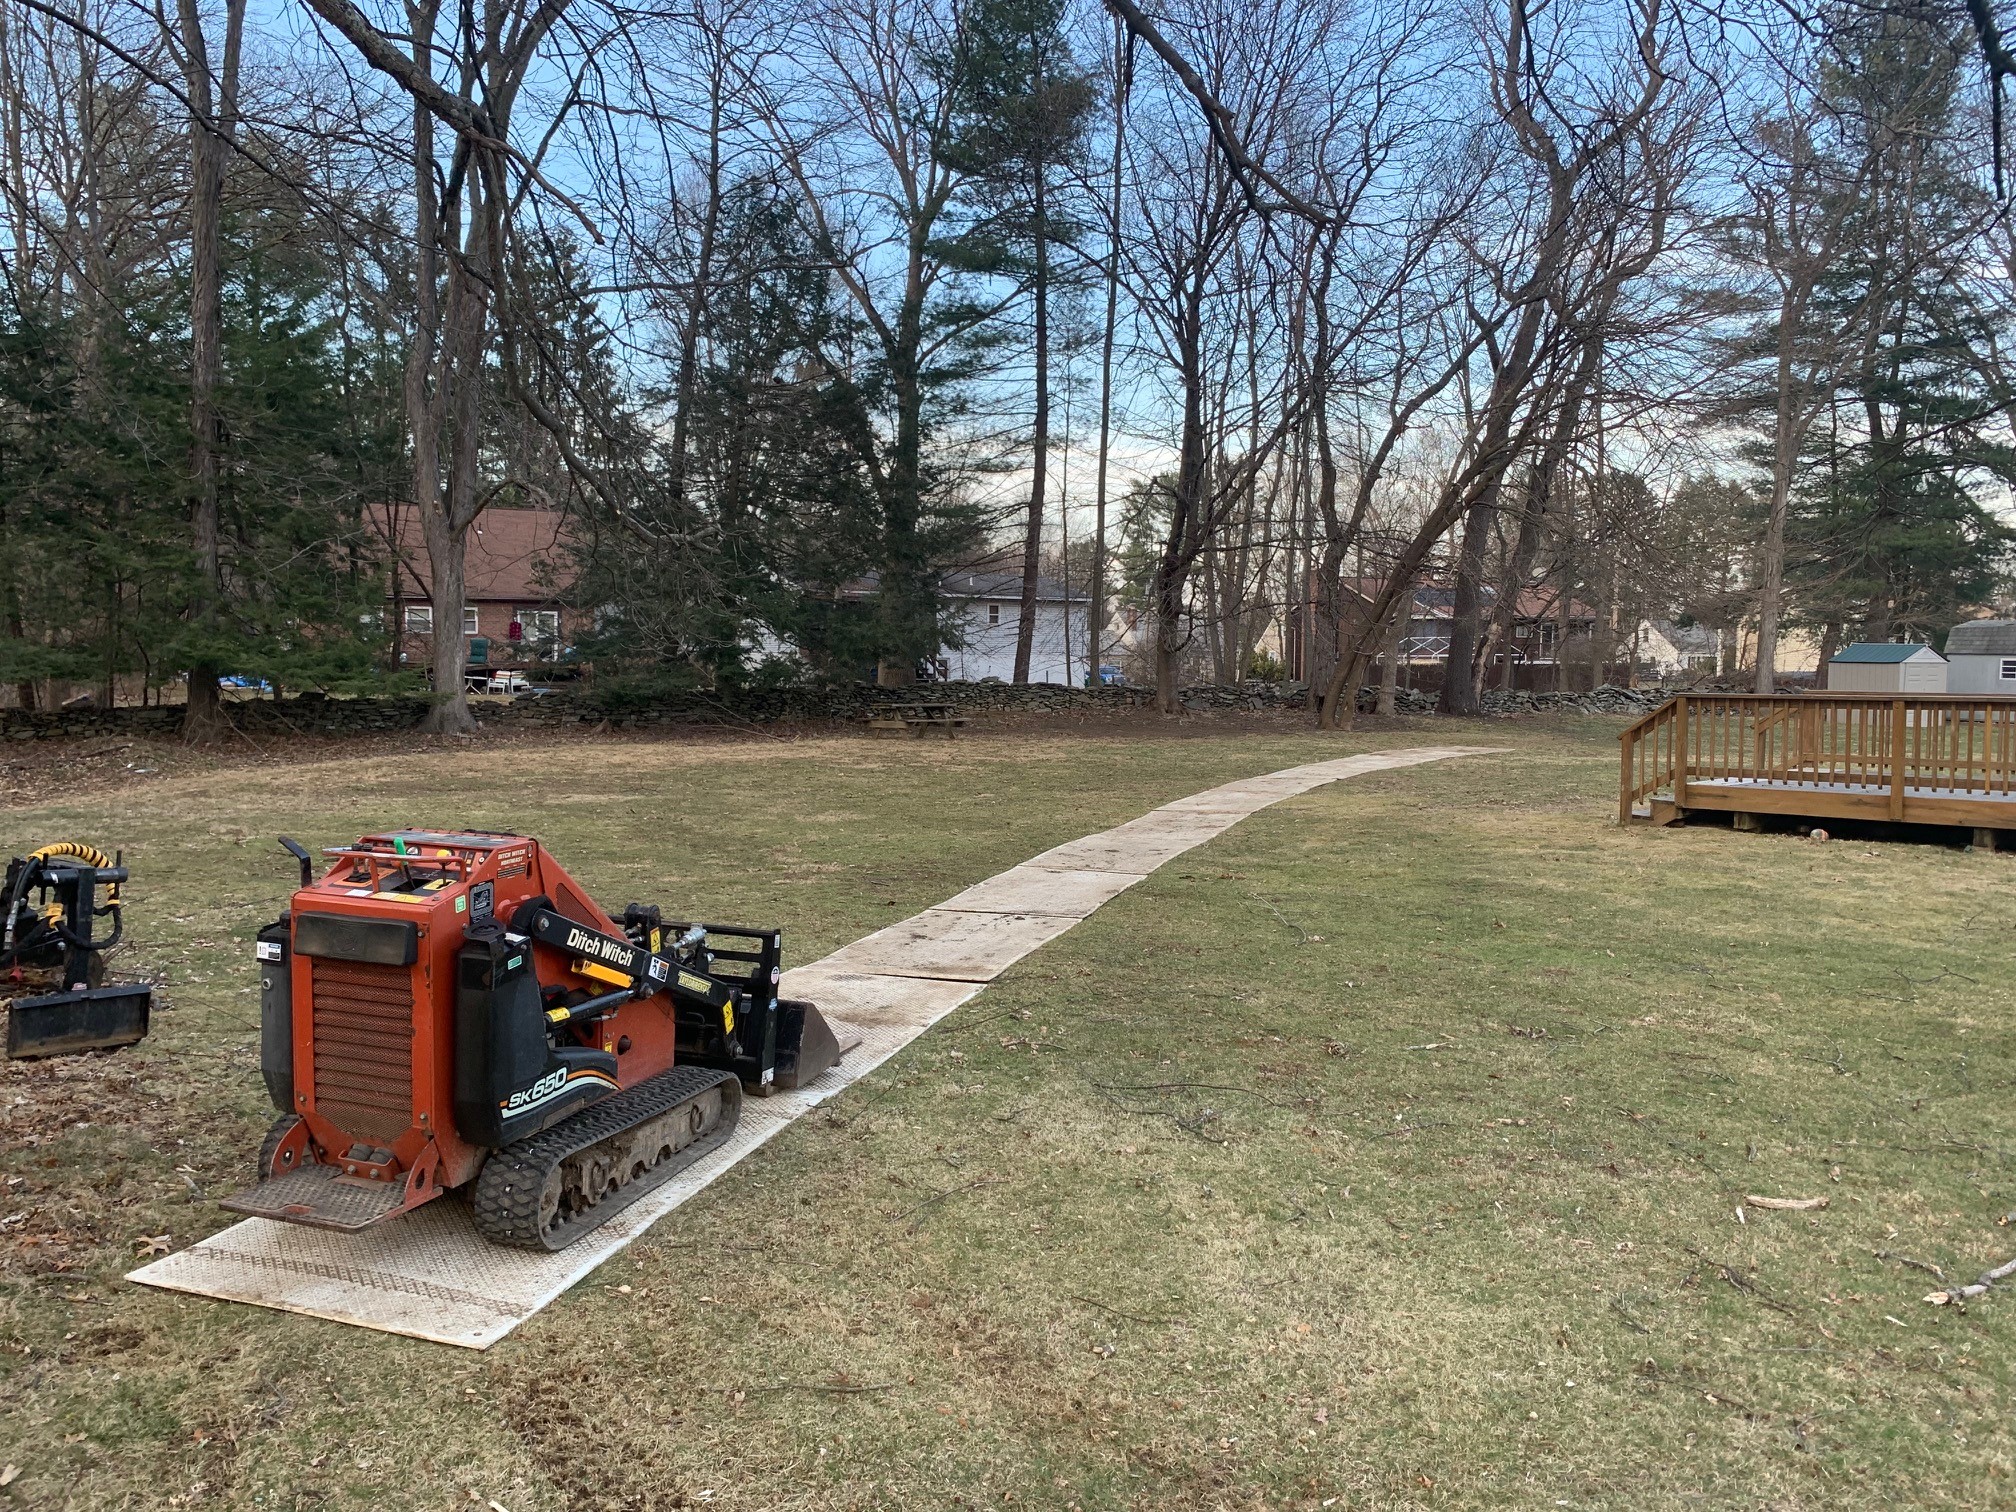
[[430, 1276]]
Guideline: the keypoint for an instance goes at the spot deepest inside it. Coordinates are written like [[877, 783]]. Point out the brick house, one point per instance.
[[511, 616]]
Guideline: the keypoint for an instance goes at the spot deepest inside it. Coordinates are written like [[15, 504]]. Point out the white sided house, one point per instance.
[[985, 606], [1887, 667], [1981, 657]]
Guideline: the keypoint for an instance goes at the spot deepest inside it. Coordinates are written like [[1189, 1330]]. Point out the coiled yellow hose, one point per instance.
[[75, 850]]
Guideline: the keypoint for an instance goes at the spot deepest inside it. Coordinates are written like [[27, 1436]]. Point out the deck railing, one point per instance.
[[1945, 743]]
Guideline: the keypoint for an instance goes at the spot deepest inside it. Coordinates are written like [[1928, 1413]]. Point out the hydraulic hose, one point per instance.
[[36, 863]]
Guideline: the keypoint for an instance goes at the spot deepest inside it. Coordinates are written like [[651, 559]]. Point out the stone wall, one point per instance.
[[313, 714]]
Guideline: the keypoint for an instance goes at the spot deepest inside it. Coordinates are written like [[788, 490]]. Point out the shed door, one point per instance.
[[1924, 677]]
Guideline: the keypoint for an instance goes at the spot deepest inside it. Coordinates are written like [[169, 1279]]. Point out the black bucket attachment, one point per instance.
[[67, 1023], [806, 1045]]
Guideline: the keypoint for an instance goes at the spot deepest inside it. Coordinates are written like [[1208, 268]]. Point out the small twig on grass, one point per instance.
[[1924, 1265], [1742, 1283], [1787, 1204], [916, 1213], [1020, 1015], [816, 1386], [1960, 1294], [1130, 1317], [1290, 923], [1442, 1123], [1180, 1087], [1617, 1307]]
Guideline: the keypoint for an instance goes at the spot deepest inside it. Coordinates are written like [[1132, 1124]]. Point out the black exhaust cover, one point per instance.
[[276, 1013]]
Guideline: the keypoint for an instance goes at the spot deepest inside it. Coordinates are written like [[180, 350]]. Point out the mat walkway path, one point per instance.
[[428, 1275]]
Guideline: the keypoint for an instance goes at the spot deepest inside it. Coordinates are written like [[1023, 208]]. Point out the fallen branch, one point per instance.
[[1787, 1204], [1412, 1128], [1924, 1265], [1967, 1293], [916, 1213], [1742, 1283], [1130, 1317], [1177, 1087]]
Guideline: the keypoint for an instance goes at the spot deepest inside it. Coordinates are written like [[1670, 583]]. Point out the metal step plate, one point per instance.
[[321, 1196]]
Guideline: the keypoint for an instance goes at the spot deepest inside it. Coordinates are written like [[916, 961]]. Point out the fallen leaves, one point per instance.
[[151, 1244]]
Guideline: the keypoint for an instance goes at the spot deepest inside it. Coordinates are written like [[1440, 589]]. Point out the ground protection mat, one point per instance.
[[430, 1276]]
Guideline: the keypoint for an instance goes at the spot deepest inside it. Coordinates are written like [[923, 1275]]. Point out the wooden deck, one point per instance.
[[1921, 759]]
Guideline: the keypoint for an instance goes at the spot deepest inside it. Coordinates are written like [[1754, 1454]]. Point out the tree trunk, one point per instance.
[[1771, 559], [1389, 658], [213, 102], [696, 299], [1096, 619], [1830, 642], [1328, 638], [1459, 684], [432, 380], [1032, 531]]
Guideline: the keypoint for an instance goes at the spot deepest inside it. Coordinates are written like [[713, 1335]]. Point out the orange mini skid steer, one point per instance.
[[449, 1010]]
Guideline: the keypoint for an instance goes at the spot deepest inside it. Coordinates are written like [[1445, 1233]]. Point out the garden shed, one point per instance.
[[1981, 657], [1887, 667]]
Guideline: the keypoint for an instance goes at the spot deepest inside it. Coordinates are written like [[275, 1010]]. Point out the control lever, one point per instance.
[[299, 852]]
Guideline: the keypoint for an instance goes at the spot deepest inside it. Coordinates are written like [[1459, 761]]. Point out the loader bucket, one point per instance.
[[67, 1023], [806, 1045]]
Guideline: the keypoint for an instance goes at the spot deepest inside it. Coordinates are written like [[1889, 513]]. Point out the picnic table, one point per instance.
[[920, 718]]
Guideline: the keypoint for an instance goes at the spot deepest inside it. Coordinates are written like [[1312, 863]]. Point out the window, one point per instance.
[[419, 619], [539, 629], [2009, 669], [1547, 629], [469, 625], [993, 614]]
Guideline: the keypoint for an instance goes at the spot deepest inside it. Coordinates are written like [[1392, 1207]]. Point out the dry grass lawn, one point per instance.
[[1385, 1152]]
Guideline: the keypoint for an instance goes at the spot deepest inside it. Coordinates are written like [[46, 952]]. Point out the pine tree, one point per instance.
[[1889, 532]]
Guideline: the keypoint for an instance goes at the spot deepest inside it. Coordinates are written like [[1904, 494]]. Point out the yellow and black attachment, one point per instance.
[[52, 962]]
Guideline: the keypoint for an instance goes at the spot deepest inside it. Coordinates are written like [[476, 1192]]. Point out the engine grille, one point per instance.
[[363, 1018]]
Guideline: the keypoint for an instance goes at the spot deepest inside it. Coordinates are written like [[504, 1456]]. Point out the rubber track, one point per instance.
[[505, 1200], [282, 1127]]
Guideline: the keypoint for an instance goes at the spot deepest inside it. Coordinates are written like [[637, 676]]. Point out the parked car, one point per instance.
[[1111, 676]]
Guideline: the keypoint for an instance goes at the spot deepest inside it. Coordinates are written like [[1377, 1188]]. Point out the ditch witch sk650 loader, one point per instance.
[[451, 1010]]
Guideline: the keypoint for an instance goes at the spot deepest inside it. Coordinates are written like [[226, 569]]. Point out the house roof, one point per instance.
[[514, 555], [1688, 640], [1884, 651], [1437, 601], [1982, 637], [980, 583], [1006, 585]]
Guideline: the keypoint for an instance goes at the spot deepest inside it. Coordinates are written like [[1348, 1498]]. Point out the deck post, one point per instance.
[[1627, 747], [1680, 752], [1897, 721]]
